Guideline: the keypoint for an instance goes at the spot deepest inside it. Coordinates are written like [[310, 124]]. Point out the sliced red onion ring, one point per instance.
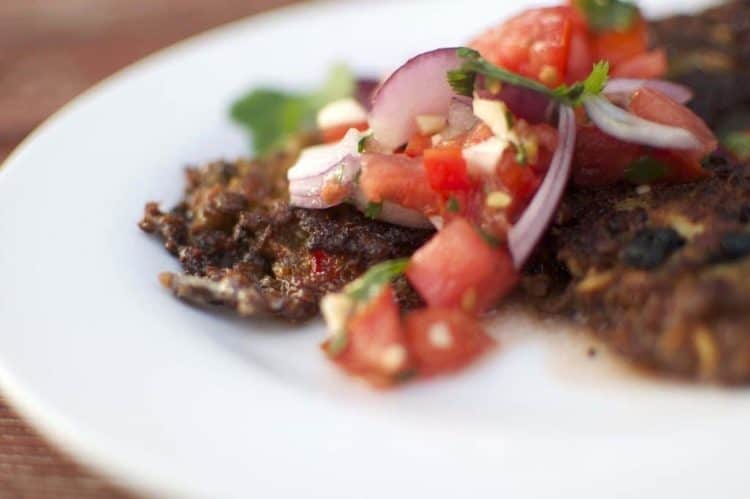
[[318, 165], [627, 86], [417, 87], [365, 90], [524, 103], [525, 234], [461, 117], [628, 127], [395, 214]]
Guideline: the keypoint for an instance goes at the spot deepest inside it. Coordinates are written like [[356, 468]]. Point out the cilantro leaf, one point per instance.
[[368, 285], [462, 80], [272, 116], [373, 210], [603, 15], [738, 143]]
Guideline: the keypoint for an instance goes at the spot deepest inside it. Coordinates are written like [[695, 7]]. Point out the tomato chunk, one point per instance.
[[655, 106], [618, 46], [457, 268], [375, 343], [647, 65], [600, 159], [336, 133], [400, 179], [535, 43], [446, 169], [444, 339]]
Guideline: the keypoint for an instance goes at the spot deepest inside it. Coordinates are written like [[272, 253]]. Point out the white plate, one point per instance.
[[178, 401]]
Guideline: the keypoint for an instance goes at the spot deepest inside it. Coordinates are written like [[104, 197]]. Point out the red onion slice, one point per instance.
[[524, 103], [418, 87], [525, 234], [628, 127], [626, 86], [395, 214]]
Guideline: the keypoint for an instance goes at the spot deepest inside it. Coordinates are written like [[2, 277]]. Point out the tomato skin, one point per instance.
[[400, 179], [521, 181], [417, 144], [443, 340], [446, 169], [600, 159], [619, 46], [647, 65], [336, 133], [373, 333], [452, 268], [534, 43], [654, 106]]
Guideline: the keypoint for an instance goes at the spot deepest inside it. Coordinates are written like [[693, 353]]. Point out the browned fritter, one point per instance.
[[242, 246]]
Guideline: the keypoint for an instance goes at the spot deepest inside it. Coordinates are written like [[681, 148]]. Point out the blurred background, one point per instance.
[[50, 51]]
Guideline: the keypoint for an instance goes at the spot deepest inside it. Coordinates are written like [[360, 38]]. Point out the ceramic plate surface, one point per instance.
[[178, 401]]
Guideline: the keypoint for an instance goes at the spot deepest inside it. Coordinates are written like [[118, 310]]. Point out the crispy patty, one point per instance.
[[660, 274]]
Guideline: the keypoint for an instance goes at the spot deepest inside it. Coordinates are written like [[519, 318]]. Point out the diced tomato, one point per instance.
[[452, 269], [446, 169], [618, 46], [545, 137], [444, 339], [479, 133], [375, 347], [520, 180], [600, 159], [535, 43], [655, 106], [417, 144], [580, 56], [336, 133], [647, 65], [321, 261], [400, 179], [683, 166]]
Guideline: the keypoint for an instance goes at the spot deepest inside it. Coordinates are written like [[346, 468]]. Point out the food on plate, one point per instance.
[[555, 160]]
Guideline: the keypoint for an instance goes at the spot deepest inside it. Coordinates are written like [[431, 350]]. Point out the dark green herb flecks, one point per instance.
[[371, 283], [645, 170], [453, 205], [738, 143], [272, 116], [373, 210]]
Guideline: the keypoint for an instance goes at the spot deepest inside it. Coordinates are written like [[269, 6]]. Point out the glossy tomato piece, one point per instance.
[[600, 159], [446, 169], [647, 65], [655, 106], [617, 46], [400, 179], [535, 43], [455, 267], [336, 133], [443, 340], [521, 182], [376, 343]]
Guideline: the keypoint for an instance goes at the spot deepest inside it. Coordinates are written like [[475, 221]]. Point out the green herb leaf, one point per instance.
[[521, 155], [738, 143], [645, 170], [272, 116], [453, 206], [373, 210], [371, 283], [462, 80], [604, 15], [489, 238], [362, 144]]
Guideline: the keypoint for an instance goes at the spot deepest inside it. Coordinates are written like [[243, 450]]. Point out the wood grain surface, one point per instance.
[[50, 51]]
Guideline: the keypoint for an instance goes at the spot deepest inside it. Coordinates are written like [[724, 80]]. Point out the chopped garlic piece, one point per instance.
[[484, 156], [341, 112], [494, 113], [336, 309], [430, 124], [498, 199], [440, 336]]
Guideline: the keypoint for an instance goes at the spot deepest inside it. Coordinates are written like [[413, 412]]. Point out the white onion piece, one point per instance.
[[394, 213], [675, 91], [525, 234], [418, 87], [628, 127], [461, 117]]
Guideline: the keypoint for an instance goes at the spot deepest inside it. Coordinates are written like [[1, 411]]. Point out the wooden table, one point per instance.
[[50, 51]]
